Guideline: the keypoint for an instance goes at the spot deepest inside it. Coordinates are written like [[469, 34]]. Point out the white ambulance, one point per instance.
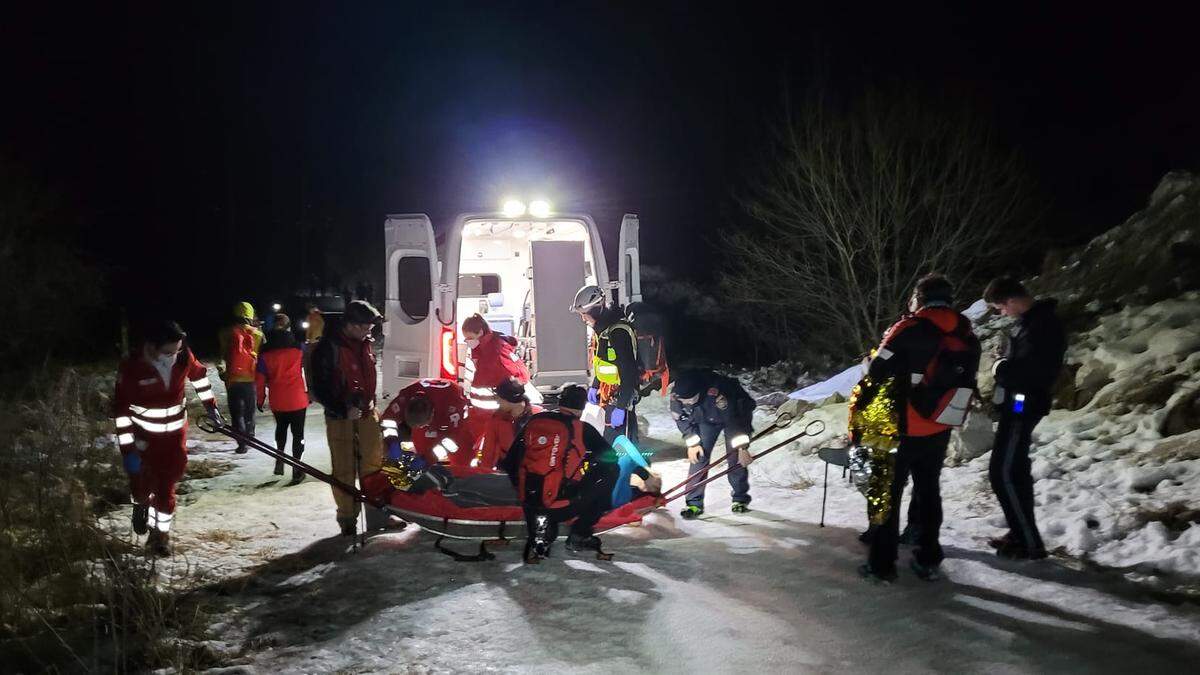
[[519, 268]]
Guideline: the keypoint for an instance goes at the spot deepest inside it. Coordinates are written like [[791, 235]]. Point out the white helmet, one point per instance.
[[588, 297]]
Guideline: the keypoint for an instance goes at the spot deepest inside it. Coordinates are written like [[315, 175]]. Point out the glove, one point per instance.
[[260, 408], [132, 462], [594, 395], [215, 416], [744, 457], [695, 454], [617, 418], [393, 449]]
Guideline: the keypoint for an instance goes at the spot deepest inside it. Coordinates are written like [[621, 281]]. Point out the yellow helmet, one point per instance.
[[243, 310]]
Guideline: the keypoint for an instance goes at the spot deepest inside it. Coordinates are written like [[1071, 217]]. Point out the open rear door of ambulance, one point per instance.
[[629, 275], [412, 334]]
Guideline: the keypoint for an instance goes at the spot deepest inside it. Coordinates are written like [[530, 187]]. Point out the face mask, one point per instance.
[[472, 343]]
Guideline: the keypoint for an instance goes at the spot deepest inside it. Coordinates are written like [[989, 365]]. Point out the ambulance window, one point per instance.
[[478, 285], [412, 276]]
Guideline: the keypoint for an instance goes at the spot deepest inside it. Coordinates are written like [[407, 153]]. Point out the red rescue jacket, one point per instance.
[[147, 407], [281, 370], [498, 436], [494, 360], [446, 438], [907, 353]]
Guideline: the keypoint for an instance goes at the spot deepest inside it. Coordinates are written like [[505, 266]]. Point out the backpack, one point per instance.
[[320, 368], [651, 348], [547, 455], [944, 394]]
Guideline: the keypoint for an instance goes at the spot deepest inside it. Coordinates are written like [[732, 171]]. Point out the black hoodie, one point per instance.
[[1037, 346]]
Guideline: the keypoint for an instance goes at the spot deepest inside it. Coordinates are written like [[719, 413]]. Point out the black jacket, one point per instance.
[[1037, 346], [723, 402], [622, 343]]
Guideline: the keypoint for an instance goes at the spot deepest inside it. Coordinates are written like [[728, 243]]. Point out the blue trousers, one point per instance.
[[739, 478]]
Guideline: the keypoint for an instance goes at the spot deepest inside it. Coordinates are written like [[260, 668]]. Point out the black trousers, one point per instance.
[[1009, 472], [589, 500], [241, 398], [293, 420], [922, 458]]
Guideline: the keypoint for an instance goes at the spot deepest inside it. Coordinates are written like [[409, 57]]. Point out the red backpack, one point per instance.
[[944, 395], [550, 446]]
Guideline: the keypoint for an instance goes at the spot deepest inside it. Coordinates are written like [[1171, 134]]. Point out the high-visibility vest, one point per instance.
[[604, 361]]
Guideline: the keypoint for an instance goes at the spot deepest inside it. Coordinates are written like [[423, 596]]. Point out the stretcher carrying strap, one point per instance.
[[484, 555]]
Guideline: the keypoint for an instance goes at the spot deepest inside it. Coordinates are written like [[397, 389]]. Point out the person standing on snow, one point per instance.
[[494, 360], [1025, 377], [281, 373], [240, 343], [703, 405], [616, 374], [151, 421], [907, 354], [342, 378]]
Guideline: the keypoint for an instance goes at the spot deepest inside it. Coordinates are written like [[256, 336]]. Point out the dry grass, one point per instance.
[[221, 536], [74, 596], [201, 469]]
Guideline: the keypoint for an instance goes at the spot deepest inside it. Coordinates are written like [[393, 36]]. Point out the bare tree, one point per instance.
[[857, 201]]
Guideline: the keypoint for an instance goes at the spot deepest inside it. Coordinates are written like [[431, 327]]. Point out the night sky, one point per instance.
[[217, 152]]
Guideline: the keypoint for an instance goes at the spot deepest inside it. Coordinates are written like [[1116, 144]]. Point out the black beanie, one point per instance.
[[573, 396], [689, 383], [511, 390]]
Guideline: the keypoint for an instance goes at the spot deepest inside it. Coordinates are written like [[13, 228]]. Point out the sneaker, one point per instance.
[[159, 543], [278, 467], [867, 572], [141, 515], [741, 507], [349, 526], [926, 572], [691, 512], [577, 543]]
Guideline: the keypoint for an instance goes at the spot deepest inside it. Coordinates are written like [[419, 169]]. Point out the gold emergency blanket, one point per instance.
[[874, 436]]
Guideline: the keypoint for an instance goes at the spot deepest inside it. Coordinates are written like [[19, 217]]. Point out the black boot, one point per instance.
[[141, 515], [297, 474], [583, 542], [279, 467]]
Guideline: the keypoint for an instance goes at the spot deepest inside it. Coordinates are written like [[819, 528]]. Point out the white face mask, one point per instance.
[[472, 343], [164, 362]]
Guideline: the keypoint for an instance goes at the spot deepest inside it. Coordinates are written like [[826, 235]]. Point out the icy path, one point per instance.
[[769, 591]]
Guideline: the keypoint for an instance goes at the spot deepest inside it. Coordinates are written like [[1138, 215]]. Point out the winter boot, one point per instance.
[[538, 545], [297, 474], [349, 526], [926, 572], [577, 543], [141, 515], [871, 574], [1002, 542], [691, 512], [159, 543], [279, 467], [741, 507], [1015, 551], [910, 535]]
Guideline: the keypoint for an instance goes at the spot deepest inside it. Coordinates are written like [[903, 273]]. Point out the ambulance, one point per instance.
[[519, 268]]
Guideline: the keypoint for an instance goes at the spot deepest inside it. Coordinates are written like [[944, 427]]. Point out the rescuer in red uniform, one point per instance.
[[151, 420]]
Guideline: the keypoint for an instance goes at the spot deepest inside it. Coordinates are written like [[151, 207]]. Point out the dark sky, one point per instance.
[[197, 143]]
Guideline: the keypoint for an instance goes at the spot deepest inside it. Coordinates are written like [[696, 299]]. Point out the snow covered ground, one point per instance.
[[768, 591]]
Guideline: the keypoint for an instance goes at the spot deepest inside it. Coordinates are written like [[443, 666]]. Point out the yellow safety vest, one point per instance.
[[604, 361]]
